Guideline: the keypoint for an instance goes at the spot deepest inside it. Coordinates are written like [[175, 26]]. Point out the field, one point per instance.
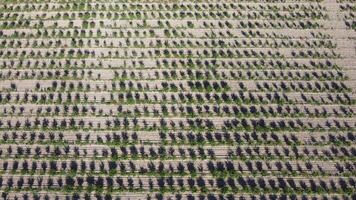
[[206, 99]]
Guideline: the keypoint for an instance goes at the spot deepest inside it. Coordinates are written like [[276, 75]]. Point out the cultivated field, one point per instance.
[[206, 99]]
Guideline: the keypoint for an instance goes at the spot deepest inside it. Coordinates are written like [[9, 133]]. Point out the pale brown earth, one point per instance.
[[254, 98]]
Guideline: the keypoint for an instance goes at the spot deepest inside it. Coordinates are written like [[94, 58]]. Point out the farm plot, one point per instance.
[[126, 99]]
